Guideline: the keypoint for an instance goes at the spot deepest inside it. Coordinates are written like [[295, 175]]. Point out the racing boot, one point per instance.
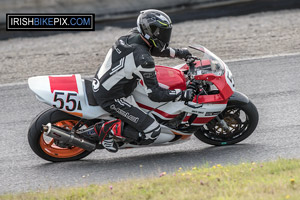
[[107, 132], [104, 133]]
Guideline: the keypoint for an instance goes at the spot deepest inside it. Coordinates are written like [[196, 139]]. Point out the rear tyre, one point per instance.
[[242, 121], [46, 147]]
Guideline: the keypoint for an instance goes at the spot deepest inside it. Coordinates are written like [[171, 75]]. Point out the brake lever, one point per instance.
[[190, 61]]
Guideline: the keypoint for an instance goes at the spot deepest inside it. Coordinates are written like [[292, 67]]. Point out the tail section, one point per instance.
[[67, 93]]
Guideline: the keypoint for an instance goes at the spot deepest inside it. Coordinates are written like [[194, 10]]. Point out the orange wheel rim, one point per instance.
[[52, 150]]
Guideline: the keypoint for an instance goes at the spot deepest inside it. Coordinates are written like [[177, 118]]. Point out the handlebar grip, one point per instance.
[[188, 57]]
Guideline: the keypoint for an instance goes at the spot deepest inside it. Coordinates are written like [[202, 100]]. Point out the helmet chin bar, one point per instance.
[[155, 42], [159, 44]]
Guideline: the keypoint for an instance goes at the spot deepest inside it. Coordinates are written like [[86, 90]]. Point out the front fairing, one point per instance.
[[212, 74], [211, 64], [209, 70]]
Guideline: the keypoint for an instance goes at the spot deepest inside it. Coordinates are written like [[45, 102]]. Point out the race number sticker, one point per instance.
[[67, 101], [65, 91]]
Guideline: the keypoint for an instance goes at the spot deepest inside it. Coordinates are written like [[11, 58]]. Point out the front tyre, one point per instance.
[[46, 147], [241, 120]]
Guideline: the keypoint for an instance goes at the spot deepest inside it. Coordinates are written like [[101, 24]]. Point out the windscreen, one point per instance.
[[209, 62]]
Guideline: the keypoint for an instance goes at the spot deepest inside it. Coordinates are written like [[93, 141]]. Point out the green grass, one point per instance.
[[270, 180]]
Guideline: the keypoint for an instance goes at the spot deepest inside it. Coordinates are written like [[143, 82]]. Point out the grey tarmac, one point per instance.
[[271, 83]]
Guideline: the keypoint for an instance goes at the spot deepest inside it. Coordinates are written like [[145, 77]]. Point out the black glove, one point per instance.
[[182, 53], [194, 86], [187, 95]]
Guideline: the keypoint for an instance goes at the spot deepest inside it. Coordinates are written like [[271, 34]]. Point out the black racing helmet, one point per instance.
[[156, 27]]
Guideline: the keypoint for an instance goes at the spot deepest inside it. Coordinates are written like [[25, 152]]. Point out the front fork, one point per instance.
[[222, 123], [237, 98]]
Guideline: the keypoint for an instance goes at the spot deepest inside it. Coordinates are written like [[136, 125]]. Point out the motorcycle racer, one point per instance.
[[127, 62]]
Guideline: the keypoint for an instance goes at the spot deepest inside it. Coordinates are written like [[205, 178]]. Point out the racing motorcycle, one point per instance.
[[218, 115]]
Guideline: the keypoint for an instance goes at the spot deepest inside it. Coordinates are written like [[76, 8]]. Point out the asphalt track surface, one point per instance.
[[273, 85]]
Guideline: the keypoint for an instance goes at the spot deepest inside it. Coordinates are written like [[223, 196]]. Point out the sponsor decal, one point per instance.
[[96, 85], [125, 114], [50, 22], [198, 112], [212, 113]]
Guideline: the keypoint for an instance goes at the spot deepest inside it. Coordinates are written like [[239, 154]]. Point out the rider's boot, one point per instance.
[[107, 132], [104, 133]]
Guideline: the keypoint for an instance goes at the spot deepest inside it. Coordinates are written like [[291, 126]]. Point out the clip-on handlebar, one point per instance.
[[190, 61]]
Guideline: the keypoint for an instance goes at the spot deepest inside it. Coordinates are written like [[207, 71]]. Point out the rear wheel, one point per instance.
[[48, 148], [241, 120]]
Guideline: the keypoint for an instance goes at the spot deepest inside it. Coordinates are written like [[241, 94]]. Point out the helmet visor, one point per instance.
[[164, 35]]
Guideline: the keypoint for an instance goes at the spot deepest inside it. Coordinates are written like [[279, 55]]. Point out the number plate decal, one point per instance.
[[65, 91]]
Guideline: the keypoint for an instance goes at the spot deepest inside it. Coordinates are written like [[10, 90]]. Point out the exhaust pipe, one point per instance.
[[65, 136]]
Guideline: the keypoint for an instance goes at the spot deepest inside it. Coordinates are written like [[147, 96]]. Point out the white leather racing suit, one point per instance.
[[127, 62]]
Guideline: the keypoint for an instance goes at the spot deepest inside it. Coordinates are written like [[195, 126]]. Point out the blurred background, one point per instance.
[[122, 13], [233, 29]]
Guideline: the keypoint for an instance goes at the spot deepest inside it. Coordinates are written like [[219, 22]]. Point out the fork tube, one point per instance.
[[223, 123]]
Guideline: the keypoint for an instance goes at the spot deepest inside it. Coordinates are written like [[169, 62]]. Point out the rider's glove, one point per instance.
[[187, 95], [193, 85], [182, 53]]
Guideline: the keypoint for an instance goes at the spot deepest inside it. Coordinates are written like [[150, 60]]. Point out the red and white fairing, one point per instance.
[[170, 110], [210, 106], [68, 93]]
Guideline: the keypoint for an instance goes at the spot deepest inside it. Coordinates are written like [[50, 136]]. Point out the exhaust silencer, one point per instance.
[[66, 136]]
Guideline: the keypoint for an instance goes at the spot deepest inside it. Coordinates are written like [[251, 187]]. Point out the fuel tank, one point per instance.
[[170, 78]]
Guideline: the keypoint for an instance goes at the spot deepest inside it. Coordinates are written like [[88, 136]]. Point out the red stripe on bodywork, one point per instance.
[[162, 113], [202, 120], [186, 118], [64, 83]]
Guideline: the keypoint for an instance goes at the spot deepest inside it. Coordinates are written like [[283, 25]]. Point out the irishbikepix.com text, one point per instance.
[[50, 22]]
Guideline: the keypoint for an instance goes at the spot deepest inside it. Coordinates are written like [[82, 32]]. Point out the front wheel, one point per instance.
[[241, 120], [46, 147]]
